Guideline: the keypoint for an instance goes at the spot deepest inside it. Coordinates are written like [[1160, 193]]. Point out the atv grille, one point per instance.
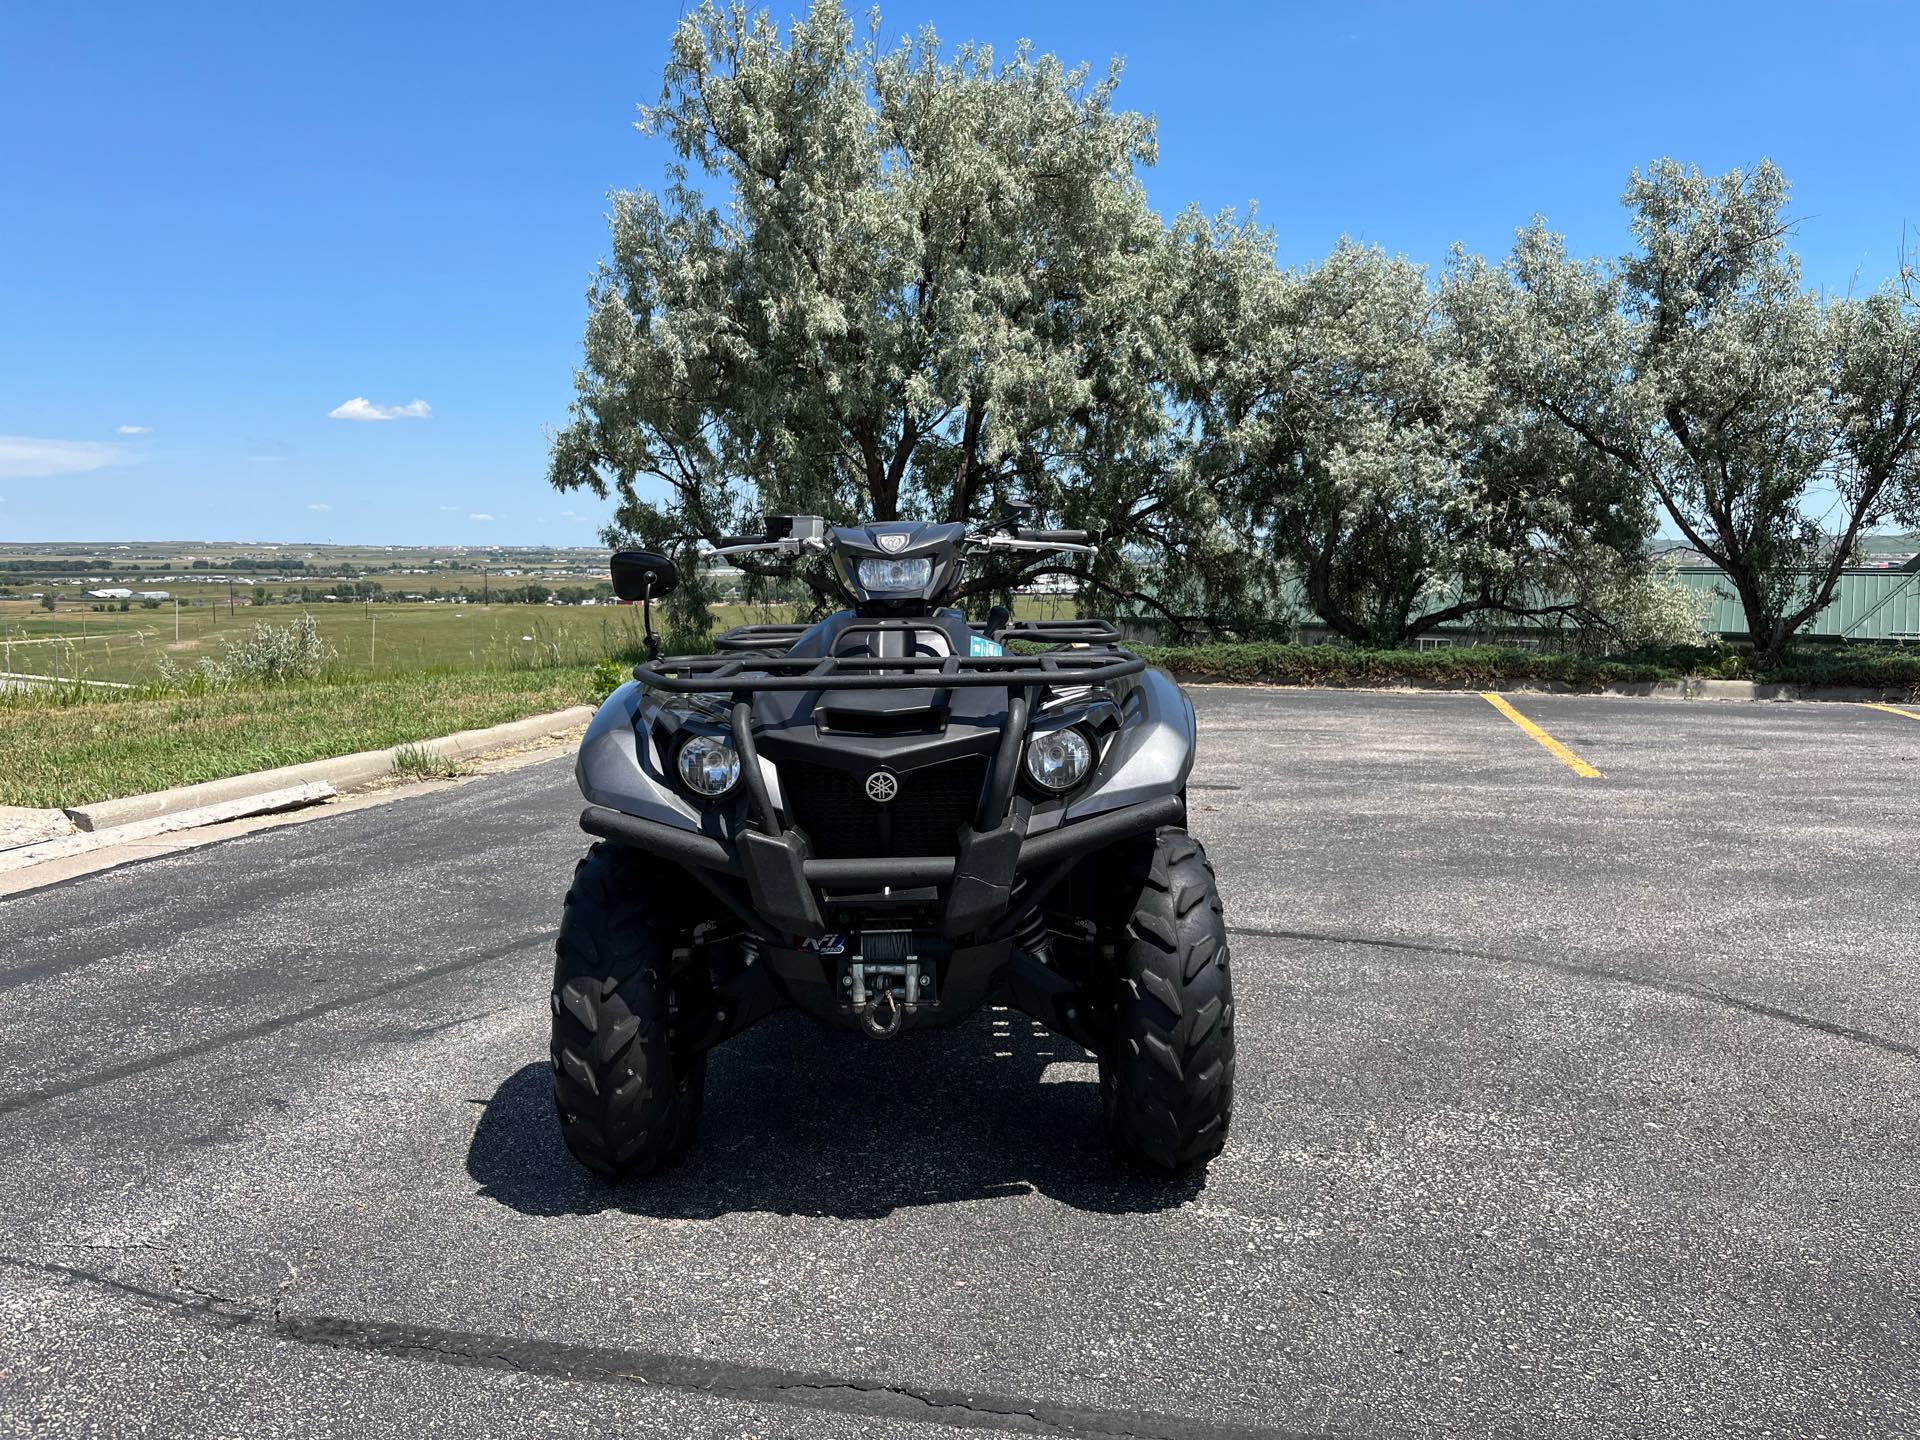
[[831, 805]]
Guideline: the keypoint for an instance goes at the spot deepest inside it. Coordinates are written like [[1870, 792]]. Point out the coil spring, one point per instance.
[[1030, 934]]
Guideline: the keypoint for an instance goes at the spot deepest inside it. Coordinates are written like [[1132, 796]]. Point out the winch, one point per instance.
[[885, 982]]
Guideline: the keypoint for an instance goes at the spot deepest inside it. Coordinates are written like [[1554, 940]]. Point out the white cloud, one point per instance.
[[361, 408], [480, 517], [449, 507], [319, 507], [568, 515], [23, 455], [133, 429]]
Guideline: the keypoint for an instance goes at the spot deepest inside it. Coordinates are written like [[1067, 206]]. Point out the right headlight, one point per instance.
[[709, 766], [1059, 759]]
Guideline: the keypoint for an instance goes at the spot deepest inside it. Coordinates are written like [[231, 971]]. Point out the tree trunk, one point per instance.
[[1764, 627]]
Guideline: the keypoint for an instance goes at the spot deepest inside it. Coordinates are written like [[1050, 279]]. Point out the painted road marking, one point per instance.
[[1552, 746], [1891, 709]]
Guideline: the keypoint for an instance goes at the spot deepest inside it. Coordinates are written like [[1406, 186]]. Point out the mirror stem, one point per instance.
[[646, 611]]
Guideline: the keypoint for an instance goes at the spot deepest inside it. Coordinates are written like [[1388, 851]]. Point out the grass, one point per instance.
[[424, 671], [77, 747], [126, 646], [416, 762]]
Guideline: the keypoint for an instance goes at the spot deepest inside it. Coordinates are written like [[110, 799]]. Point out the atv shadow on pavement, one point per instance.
[[801, 1120]]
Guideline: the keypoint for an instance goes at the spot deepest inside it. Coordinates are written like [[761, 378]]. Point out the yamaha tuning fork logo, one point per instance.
[[893, 544], [882, 787]]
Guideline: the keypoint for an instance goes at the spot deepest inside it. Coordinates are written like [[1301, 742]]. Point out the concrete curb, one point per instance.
[[343, 772], [292, 797], [1692, 688], [27, 825]]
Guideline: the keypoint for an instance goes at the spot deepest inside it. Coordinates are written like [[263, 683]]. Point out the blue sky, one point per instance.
[[222, 223]]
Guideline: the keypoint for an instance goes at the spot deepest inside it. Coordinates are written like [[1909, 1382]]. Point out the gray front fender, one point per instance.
[[617, 767], [1152, 754]]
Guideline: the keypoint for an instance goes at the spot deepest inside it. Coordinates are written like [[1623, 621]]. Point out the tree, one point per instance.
[[934, 284], [47, 601], [1350, 410], [1743, 400]]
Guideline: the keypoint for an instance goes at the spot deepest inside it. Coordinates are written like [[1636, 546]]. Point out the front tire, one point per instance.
[[626, 1107], [1167, 1081]]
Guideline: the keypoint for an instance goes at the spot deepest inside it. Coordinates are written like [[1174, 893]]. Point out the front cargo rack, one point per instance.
[[1061, 632], [752, 674]]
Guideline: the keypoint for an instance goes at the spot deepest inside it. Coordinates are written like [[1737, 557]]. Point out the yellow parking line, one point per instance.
[[1890, 709], [1552, 746]]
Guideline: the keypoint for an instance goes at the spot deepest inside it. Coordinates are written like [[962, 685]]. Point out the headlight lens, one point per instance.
[[1059, 759], [895, 574], [709, 765]]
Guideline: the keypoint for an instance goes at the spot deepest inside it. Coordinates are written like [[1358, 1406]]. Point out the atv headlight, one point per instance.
[[709, 766], [895, 574], [1059, 759]]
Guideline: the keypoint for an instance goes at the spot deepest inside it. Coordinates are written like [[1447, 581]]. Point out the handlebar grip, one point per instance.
[[1053, 537], [727, 542]]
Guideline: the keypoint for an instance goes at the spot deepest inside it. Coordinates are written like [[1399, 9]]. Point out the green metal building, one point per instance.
[[1880, 603]]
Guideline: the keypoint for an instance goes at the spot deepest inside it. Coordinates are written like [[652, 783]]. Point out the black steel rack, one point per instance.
[[752, 674], [1061, 632]]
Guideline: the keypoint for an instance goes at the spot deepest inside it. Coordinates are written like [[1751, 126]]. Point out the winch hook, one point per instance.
[[883, 1018]]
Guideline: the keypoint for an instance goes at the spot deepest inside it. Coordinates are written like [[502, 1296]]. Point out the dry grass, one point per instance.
[[77, 748]]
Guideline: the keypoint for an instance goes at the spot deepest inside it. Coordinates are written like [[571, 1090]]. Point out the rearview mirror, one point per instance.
[[643, 575]]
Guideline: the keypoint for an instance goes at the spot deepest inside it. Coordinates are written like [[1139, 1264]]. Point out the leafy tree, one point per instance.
[[1775, 426], [933, 283], [1351, 413]]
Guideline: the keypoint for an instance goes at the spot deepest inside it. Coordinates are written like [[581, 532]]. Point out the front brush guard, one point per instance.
[[781, 875]]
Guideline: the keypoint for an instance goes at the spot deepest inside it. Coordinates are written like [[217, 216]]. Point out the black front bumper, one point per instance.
[[783, 879]]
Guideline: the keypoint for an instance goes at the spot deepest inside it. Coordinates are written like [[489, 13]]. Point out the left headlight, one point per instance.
[[1059, 759], [895, 574], [709, 766]]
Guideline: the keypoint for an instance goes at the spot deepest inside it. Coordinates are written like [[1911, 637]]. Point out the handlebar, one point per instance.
[[790, 544]]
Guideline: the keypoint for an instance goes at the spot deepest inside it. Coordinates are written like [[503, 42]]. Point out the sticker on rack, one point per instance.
[[980, 645], [826, 945]]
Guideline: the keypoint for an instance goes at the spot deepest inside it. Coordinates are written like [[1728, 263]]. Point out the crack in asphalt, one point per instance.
[[1685, 988], [607, 1364], [28, 1099]]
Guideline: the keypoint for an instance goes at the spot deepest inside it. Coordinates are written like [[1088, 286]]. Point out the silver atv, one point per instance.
[[888, 819]]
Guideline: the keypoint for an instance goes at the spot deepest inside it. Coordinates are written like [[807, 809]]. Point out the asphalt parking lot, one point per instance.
[[1568, 1104]]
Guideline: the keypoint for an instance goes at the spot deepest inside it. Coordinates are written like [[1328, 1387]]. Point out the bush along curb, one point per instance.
[[1692, 687], [1693, 673], [343, 772]]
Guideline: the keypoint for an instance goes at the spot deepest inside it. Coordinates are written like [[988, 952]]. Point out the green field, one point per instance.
[[73, 750], [366, 639], [125, 646]]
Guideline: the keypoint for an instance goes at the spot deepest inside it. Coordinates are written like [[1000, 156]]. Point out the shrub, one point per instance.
[[607, 677], [271, 654], [1479, 666], [1334, 665]]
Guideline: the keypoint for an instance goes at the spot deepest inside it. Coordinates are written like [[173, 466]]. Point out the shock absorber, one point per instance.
[[1030, 934]]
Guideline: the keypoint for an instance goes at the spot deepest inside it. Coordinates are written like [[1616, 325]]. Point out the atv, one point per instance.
[[887, 820]]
